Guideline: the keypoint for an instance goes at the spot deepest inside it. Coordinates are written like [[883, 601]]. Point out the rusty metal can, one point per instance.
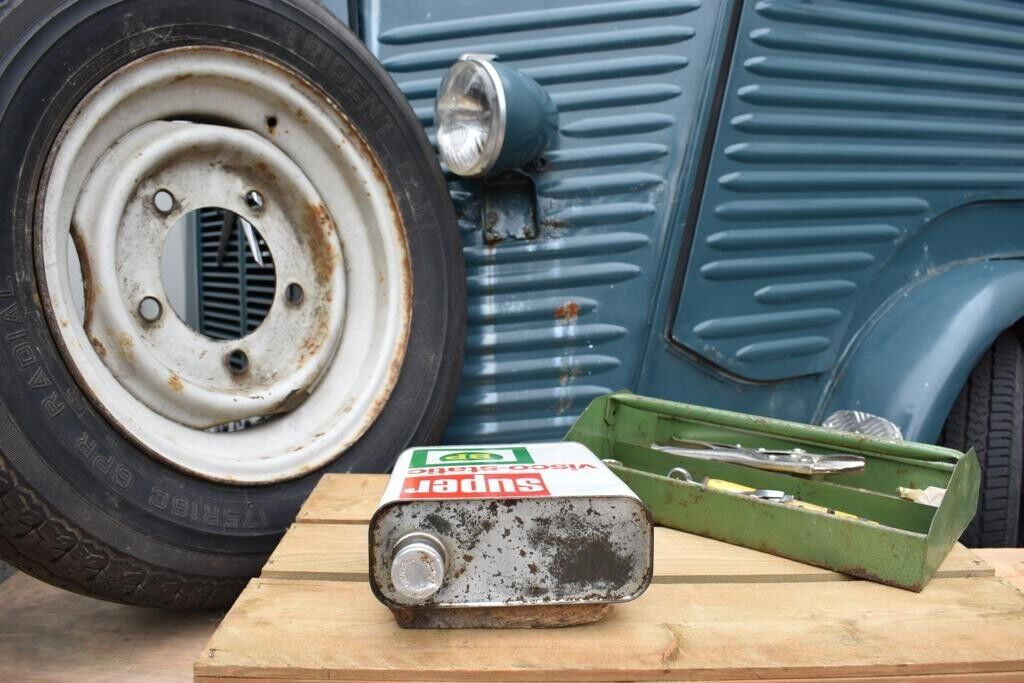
[[507, 536]]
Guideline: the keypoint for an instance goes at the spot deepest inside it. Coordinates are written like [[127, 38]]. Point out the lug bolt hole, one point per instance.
[[150, 309], [254, 200], [163, 201], [293, 294], [238, 362]]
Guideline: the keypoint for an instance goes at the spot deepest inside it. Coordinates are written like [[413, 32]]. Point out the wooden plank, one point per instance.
[[344, 499], [49, 634], [1008, 563], [352, 498], [338, 552], [996, 677], [319, 630]]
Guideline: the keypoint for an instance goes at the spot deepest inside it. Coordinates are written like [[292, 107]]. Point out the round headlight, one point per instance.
[[470, 116]]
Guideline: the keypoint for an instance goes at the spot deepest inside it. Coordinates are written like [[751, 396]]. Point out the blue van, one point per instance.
[[248, 242]]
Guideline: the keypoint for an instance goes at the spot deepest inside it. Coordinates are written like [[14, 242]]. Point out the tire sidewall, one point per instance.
[[57, 442]]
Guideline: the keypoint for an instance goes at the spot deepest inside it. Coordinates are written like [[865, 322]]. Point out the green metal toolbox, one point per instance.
[[884, 537]]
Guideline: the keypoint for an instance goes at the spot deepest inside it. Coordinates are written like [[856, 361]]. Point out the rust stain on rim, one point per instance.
[[89, 285], [98, 345], [262, 169], [126, 345], [315, 340], [318, 227], [398, 359]]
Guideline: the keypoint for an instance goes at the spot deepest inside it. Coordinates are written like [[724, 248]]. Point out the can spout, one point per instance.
[[418, 565]]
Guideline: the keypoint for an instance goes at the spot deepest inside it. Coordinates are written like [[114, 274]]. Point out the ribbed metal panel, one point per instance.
[[235, 292], [847, 126], [558, 320]]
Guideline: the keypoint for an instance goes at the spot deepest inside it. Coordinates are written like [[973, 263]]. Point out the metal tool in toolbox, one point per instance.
[[507, 536], [791, 461]]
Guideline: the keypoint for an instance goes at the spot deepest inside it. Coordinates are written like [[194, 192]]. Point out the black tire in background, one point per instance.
[[989, 416], [78, 503]]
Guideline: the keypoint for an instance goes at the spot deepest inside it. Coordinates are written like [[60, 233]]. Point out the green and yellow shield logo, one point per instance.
[[451, 457]]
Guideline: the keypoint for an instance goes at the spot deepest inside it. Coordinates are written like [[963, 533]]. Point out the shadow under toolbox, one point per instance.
[[855, 522]]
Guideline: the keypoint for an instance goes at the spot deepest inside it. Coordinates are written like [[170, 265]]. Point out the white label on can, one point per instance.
[[559, 469]]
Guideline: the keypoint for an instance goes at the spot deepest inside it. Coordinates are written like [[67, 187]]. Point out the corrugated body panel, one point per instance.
[[235, 292], [847, 126], [561, 319]]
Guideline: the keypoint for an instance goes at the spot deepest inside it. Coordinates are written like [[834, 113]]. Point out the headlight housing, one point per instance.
[[491, 118], [470, 116]]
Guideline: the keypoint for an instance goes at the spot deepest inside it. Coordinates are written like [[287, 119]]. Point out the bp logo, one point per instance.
[[442, 457]]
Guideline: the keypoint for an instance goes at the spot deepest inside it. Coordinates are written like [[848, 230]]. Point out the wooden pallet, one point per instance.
[[714, 612]]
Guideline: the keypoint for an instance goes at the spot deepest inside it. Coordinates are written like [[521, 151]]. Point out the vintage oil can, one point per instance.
[[507, 536]]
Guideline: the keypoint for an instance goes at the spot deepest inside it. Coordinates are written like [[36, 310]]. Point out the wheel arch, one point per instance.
[[911, 359]]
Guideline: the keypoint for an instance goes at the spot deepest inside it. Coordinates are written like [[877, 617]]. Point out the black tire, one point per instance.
[[989, 416], [78, 503]]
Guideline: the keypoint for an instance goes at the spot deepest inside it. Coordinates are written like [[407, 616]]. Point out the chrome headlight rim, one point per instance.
[[495, 140]]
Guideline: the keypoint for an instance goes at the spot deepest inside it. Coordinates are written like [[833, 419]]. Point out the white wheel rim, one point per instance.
[[324, 368]]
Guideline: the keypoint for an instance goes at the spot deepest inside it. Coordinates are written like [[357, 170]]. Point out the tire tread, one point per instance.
[[37, 541], [988, 415]]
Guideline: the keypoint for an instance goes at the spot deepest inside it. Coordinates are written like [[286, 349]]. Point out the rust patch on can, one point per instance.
[[577, 552], [569, 311], [531, 616]]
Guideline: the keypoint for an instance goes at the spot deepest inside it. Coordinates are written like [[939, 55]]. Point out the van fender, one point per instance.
[[911, 359]]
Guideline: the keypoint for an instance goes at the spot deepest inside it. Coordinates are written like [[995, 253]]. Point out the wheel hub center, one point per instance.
[[153, 177]]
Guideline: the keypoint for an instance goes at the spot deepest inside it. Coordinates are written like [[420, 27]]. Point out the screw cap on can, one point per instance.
[[418, 565]]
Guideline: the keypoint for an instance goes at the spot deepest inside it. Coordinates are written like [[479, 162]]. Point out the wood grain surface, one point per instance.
[[714, 612]]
